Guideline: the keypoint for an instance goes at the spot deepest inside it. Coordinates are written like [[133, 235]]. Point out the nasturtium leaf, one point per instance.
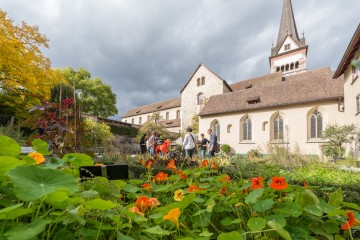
[[282, 232], [338, 237], [27, 231], [8, 163], [135, 181], [314, 210], [88, 232], [210, 204], [157, 215], [163, 188], [78, 159], [254, 195], [121, 236], [256, 224], [157, 230], [325, 207], [33, 182], [54, 163], [198, 212], [237, 220], [9, 147], [58, 198], [130, 188], [226, 221], [91, 194], [186, 201], [64, 234], [331, 227], [292, 209], [206, 233], [41, 146], [308, 197], [263, 205], [276, 218], [14, 211], [198, 199], [230, 236], [336, 198], [298, 233], [337, 212], [351, 205], [99, 204]]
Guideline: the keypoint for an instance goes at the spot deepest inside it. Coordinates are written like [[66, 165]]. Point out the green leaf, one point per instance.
[[163, 188], [237, 220], [308, 197], [226, 221], [314, 210], [277, 227], [8, 163], [58, 198], [298, 233], [14, 211], [210, 205], [99, 204], [256, 224], [337, 213], [331, 227], [9, 147], [338, 237], [130, 188], [157, 230], [78, 159], [54, 163], [254, 195], [351, 205], [277, 219], [292, 209], [182, 205], [206, 233], [33, 182], [64, 234], [41, 146], [91, 194], [336, 198], [121, 236], [27, 231], [325, 207], [264, 205], [230, 236]]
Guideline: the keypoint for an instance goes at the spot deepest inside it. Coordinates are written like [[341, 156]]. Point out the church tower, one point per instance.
[[289, 54]]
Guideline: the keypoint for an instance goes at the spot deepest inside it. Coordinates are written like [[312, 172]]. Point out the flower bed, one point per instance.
[[46, 200]]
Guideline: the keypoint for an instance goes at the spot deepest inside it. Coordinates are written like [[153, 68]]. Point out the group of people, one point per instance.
[[189, 143], [154, 145]]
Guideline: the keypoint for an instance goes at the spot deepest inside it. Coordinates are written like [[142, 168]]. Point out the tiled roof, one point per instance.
[[257, 82], [349, 53], [171, 103], [304, 87], [171, 123]]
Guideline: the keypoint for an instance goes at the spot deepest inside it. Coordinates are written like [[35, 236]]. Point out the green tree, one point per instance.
[[154, 124], [94, 96], [96, 134], [337, 136]]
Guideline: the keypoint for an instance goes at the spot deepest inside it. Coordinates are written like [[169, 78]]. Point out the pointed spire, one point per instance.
[[287, 24]]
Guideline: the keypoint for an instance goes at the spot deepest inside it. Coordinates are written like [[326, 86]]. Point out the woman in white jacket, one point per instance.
[[189, 143]]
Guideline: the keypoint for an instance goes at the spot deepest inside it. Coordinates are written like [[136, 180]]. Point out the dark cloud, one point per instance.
[[147, 49]]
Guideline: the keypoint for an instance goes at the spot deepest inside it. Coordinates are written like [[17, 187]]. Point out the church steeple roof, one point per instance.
[[287, 28]]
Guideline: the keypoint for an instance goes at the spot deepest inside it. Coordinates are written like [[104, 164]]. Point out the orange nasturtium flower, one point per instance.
[[278, 183], [222, 191], [152, 202], [178, 195], [214, 166], [149, 163], [305, 184], [204, 163], [161, 176], [147, 186], [182, 174], [173, 216], [171, 165], [192, 188], [142, 203], [351, 222], [225, 179], [38, 157], [99, 164], [257, 182], [136, 210]]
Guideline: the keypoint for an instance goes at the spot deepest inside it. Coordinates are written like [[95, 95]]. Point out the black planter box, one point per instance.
[[111, 172]]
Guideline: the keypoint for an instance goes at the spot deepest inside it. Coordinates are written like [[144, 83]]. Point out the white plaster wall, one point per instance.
[[172, 115], [295, 120], [293, 45], [213, 86]]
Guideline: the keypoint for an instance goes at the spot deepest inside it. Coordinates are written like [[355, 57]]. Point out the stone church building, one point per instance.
[[291, 105]]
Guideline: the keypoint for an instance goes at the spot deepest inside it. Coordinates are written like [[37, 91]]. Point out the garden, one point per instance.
[[43, 197]]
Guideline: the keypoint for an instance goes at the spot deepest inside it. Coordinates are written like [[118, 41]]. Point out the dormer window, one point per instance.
[[253, 100], [287, 47], [138, 111], [248, 86], [159, 107]]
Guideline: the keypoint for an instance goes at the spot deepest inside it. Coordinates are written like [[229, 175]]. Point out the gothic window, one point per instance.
[[287, 47], [287, 67], [358, 104], [167, 116], [229, 128], [296, 65], [198, 81], [292, 66], [200, 99], [132, 121], [282, 68], [217, 130], [203, 81], [246, 129], [140, 120], [316, 125], [278, 69], [278, 128], [178, 114]]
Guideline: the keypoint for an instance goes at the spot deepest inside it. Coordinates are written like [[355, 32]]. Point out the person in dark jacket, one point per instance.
[[143, 144]]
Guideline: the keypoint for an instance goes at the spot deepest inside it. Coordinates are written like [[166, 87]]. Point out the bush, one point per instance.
[[124, 131], [225, 148]]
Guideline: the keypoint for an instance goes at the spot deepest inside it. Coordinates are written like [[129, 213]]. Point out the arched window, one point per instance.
[[200, 99], [215, 127], [140, 120], [178, 114], [287, 67], [167, 116], [148, 118], [278, 128], [132, 121], [282, 68], [198, 81], [246, 129], [292, 66], [278, 69], [296, 65], [203, 81], [316, 125], [229, 128]]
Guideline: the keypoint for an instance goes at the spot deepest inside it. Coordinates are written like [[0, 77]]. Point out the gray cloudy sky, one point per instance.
[[146, 50]]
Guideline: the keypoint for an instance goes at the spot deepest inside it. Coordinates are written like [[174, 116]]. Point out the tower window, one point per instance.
[[296, 65], [198, 81], [292, 66], [287, 67], [203, 81], [287, 47], [167, 116], [282, 68], [178, 114], [278, 69]]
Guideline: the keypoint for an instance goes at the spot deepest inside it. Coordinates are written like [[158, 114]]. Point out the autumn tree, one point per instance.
[[94, 96]]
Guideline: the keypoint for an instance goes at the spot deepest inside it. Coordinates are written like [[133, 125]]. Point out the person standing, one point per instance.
[[189, 143], [212, 144], [152, 142], [203, 144], [143, 144]]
